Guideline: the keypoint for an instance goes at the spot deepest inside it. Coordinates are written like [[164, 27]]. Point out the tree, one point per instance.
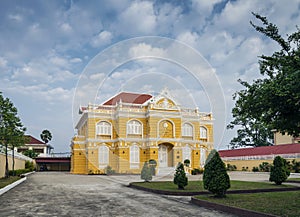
[[215, 177], [11, 128], [279, 172], [46, 136], [146, 173], [19, 140], [272, 102], [180, 178], [30, 153]]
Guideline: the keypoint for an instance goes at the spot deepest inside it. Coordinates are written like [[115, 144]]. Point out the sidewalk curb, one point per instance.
[[12, 185]]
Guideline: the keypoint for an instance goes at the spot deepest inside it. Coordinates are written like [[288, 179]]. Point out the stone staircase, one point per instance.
[[165, 171]]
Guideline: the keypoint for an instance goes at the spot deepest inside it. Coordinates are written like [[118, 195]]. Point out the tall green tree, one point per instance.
[[215, 177], [11, 127], [272, 102], [46, 136]]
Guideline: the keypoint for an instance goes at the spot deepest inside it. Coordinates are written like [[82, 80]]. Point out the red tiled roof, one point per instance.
[[265, 150], [34, 141], [134, 98]]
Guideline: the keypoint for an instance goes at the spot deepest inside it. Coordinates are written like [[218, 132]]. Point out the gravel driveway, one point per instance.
[[64, 194]]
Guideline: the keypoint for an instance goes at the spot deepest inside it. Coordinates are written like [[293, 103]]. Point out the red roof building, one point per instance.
[[124, 97]]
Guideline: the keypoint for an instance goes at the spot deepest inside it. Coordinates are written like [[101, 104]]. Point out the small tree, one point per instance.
[[46, 136], [30, 153], [186, 162], [215, 177], [279, 172], [146, 173], [180, 178]]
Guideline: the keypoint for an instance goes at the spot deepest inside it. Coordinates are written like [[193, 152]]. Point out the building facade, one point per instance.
[[130, 129], [39, 147]]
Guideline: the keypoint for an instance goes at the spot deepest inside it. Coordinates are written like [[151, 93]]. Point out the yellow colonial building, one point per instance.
[[130, 129]]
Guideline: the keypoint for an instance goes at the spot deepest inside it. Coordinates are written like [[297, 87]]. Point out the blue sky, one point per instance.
[[45, 47]]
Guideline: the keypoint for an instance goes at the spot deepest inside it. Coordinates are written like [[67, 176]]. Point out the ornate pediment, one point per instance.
[[164, 101]]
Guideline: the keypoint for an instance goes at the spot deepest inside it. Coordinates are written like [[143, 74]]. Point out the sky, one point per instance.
[[57, 55]]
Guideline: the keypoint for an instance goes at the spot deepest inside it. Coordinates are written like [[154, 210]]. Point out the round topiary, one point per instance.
[[215, 177]]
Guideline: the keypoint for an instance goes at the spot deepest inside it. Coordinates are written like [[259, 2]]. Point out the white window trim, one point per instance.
[[135, 129], [201, 132], [104, 129], [103, 156], [134, 157], [186, 153], [185, 130]]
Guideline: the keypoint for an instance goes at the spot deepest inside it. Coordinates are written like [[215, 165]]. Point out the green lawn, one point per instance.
[[294, 179], [276, 203], [196, 186], [4, 182]]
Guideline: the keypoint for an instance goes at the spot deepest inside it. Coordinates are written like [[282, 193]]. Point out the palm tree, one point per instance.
[[46, 136]]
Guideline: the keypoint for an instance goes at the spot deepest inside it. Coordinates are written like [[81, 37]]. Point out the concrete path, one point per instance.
[[63, 194]]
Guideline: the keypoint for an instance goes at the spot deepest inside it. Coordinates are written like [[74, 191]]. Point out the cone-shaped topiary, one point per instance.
[[180, 178], [279, 172], [146, 173], [215, 177]]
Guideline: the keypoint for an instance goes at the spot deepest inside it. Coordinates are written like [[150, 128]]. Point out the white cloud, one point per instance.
[[102, 38], [3, 62], [15, 17], [143, 49], [138, 18]]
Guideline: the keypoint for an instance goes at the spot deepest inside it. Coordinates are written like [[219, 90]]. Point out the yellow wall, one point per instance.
[[19, 164]]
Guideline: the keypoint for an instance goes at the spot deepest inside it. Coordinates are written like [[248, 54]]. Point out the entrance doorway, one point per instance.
[[163, 156]]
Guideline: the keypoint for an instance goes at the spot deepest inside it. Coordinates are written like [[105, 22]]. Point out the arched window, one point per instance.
[[186, 153], [134, 156], [103, 128], [202, 157], [187, 130], [203, 133], [134, 127], [103, 154]]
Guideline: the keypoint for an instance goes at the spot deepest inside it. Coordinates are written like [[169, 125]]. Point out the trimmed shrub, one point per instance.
[[215, 177], [180, 178], [109, 170], [231, 167], [146, 174], [255, 169], [186, 162], [264, 167], [197, 171], [279, 172], [152, 165]]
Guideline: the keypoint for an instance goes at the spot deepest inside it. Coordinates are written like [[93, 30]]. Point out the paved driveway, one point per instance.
[[63, 194]]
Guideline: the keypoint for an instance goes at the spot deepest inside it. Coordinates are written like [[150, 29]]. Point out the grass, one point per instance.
[[293, 179], [196, 186], [6, 181], [276, 203]]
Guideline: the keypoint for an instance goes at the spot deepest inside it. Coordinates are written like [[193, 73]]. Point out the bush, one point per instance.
[[29, 165], [245, 168], [18, 172], [152, 165], [109, 170], [279, 172], [146, 174], [231, 167], [255, 169], [264, 167], [295, 166], [186, 162], [215, 177], [180, 178], [197, 171]]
